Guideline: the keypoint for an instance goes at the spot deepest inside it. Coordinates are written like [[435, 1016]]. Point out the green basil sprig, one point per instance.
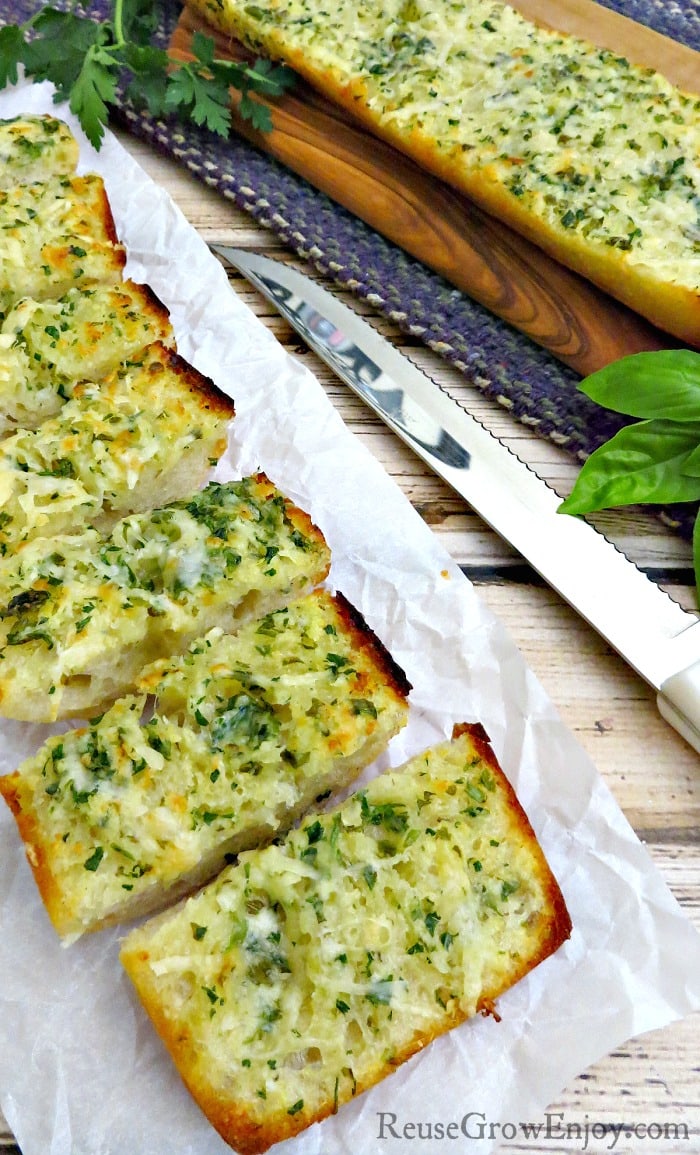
[[657, 459]]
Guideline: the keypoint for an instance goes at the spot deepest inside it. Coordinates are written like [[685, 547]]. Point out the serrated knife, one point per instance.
[[659, 639]]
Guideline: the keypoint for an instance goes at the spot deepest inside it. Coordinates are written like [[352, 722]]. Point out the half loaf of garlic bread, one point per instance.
[[593, 158]]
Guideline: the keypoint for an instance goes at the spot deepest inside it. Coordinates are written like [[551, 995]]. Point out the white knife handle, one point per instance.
[[679, 703]]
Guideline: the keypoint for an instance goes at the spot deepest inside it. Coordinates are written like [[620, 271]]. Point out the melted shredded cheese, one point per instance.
[[158, 579], [48, 347], [584, 141], [308, 969], [107, 442], [247, 730], [32, 148]]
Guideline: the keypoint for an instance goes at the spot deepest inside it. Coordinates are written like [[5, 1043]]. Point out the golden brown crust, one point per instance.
[[35, 850], [104, 207], [559, 926], [212, 398], [367, 640]]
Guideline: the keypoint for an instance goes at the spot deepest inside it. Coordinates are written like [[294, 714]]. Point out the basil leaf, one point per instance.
[[641, 463], [692, 465], [664, 384]]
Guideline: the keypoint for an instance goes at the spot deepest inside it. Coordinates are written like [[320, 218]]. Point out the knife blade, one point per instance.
[[659, 639]]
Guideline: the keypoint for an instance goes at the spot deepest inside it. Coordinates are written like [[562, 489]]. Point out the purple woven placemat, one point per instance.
[[506, 365]]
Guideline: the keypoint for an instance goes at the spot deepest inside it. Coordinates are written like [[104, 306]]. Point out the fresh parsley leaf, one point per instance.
[[269, 78], [93, 89], [77, 37], [201, 97], [11, 54], [149, 76], [97, 55], [139, 21], [258, 114]]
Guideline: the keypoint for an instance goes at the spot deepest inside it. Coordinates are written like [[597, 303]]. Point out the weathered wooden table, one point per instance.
[[651, 1083]]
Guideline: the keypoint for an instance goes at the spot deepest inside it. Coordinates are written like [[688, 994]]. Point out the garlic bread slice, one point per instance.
[[35, 147], [145, 435], [81, 615], [247, 731], [55, 234], [313, 968], [49, 347]]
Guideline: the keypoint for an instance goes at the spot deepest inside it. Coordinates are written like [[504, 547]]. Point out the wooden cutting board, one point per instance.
[[577, 322]]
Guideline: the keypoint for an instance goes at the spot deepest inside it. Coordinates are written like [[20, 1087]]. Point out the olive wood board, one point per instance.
[[577, 322]]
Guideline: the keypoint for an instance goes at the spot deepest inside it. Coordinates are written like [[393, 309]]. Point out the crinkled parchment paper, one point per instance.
[[81, 1070]]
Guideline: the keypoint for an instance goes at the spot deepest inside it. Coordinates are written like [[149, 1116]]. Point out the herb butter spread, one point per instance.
[[81, 615], [32, 148], [314, 967], [111, 444], [248, 730], [593, 157], [48, 347]]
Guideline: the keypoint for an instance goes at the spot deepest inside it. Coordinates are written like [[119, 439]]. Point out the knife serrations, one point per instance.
[[651, 631]]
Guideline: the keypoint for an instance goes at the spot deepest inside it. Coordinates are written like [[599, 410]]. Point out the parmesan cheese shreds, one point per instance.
[[312, 968], [33, 148], [80, 616], [594, 158], [151, 429], [56, 234], [48, 347], [248, 731]]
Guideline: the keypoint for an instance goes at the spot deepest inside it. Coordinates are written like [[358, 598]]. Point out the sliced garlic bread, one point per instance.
[[34, 148], [145, 435], [56, 234], [311, 969], [591, 157], [48, 347], [80, 616], [249, 729]]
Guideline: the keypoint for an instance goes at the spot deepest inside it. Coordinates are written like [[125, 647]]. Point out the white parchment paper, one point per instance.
[[81, 1070]]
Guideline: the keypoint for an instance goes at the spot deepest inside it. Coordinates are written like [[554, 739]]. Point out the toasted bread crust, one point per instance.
[[212, 398], [367, 640], [35, 848]]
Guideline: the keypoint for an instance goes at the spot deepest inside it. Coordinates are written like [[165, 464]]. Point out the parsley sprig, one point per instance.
[[652, 461], [88, 61]]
